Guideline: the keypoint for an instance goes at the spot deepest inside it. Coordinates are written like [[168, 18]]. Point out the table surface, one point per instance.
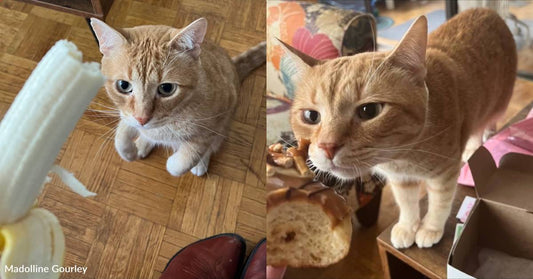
[[429, 261]]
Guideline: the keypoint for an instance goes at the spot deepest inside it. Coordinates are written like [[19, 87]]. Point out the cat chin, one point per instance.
[[345, 174]]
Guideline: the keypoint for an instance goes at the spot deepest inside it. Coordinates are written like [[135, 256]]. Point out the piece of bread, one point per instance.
[[308, 224]]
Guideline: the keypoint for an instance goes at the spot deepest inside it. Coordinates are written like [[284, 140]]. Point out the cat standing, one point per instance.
[[172, 89], [410, 113]]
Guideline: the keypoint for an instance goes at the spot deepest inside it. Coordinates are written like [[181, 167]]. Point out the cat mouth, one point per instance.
[[151, 125]]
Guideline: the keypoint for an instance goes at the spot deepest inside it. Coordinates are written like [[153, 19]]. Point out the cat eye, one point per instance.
[[311, 117], [166, 89], [369, 111], [124, 86]]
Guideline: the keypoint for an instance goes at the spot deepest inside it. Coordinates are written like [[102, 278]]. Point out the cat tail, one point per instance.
[[247, 61]]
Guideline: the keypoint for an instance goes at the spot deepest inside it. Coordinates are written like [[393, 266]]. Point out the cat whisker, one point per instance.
[[408, 144], [418, 150], [427, 170], [106, 134], [359, 169], [102, 105], [101, 114], [201, 126], [380, 179], [110, 124], [288, 143], [356, 171], [105, 141], [214, 116], [104, 110], [369, 166], [99, 119], [92, 116], [98, 153]]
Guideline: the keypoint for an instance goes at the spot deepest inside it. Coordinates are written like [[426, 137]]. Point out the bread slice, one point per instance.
[[307, 228]]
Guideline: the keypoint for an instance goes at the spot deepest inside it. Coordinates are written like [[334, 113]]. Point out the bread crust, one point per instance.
[[308, 224]]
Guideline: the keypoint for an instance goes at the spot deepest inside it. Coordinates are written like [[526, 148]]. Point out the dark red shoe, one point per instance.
[[255, 267], [216, 257]]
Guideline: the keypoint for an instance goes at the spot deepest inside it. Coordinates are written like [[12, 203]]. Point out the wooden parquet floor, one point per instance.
[[142, 215]]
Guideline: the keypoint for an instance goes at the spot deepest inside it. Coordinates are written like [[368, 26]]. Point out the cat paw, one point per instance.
[[402, 236], [199, 170], [178, 164], [128, 154], [426, 237], [144, 148], [176, 168]]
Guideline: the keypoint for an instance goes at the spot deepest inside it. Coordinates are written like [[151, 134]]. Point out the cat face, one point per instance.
[[360, 111], [152, 71]]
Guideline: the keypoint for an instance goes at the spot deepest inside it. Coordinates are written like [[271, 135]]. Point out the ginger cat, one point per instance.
[[410, 113], [172, 89]]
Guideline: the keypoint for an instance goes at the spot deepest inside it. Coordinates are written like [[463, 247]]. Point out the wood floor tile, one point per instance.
[[36, 36], [10, 24]]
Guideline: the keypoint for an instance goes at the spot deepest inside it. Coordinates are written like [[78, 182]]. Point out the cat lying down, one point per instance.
[[173, 89]]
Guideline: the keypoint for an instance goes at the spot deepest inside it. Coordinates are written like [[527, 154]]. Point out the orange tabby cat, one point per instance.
[[172, 89], [408, 113]]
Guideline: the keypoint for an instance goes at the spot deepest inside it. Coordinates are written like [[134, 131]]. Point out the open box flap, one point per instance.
[[511, 183]]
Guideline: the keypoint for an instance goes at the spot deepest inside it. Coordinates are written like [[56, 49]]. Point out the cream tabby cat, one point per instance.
[[172, 89], [408, 113]]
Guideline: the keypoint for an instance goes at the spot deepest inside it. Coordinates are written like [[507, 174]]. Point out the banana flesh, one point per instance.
[[34, 242], [31, 135]]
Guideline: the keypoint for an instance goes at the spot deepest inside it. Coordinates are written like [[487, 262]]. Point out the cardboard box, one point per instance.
[[502, 217]]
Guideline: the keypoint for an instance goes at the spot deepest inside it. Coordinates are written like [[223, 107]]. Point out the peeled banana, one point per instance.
[[31, 135], [35, 244]]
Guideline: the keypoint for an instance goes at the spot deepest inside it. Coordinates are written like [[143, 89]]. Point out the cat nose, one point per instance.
[[142, 120], [330, 149]]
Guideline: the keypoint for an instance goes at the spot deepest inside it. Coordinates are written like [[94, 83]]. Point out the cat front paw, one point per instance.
[[176, 168], [127, 153], [179, 163], [144, 147], [426, 237], [199, 169], [403, 236]]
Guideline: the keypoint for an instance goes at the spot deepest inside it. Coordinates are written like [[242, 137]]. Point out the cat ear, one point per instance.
[[109, 39], [190, 38], [298, 61], [410, 53]]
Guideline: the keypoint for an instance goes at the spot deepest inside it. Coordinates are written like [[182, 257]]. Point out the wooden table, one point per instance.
[[421, 263], [84, 8]]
